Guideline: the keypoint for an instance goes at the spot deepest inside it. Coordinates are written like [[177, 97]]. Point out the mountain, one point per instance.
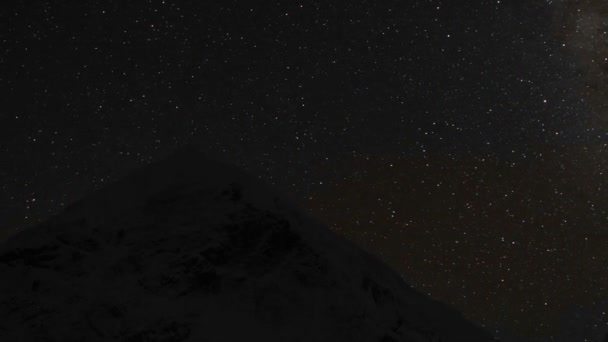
[[192, 249]]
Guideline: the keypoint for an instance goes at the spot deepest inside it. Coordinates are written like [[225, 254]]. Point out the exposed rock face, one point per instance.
[[193, 250]]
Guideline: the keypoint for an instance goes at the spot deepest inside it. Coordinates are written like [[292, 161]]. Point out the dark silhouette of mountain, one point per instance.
[[191, 249]]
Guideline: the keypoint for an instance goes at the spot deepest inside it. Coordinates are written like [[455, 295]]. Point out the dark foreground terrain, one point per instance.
[[190, 249]]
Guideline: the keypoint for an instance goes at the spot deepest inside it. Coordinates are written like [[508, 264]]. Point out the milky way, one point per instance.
[[582, 27]]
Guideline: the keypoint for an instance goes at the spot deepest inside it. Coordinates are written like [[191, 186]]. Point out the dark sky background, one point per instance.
[[464, 142]]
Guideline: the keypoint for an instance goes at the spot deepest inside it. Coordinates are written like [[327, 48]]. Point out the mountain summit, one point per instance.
[[191, 249]]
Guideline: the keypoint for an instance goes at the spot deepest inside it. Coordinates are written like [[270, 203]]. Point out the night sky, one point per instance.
[[465, 143]]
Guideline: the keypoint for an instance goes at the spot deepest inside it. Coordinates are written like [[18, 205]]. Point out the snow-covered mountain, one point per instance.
[[191, 249]]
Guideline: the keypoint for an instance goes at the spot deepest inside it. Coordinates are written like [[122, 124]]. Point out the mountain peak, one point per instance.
[[186, 155], [190, 249]]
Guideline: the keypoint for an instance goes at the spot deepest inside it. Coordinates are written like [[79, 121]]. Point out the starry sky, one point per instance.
[[465, 143]]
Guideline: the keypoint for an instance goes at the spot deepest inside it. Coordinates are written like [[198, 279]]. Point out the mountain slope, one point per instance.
[[190, 249]]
